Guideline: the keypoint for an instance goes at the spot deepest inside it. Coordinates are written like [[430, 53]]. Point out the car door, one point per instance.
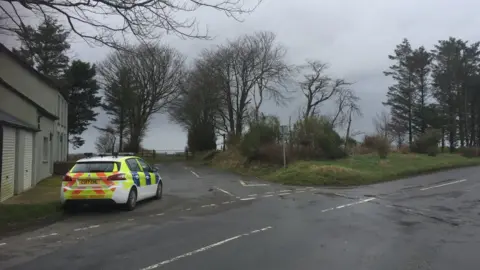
[[138, 177], [150, 178]]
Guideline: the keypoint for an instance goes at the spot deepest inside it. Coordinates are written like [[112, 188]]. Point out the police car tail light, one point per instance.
[[67, 178], [116, 177]]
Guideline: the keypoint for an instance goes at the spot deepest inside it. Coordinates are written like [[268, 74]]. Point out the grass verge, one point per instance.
[[34, 207], [357, 170]]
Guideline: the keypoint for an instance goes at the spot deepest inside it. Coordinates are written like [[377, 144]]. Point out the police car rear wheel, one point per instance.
[[158, 194], [132, 200]]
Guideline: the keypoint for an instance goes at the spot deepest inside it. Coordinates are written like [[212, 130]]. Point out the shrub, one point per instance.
[[426, 141], [382, 146], [317, 134], [404, 149], [469, 152], [263, 132], [370, 141], [432, 151]]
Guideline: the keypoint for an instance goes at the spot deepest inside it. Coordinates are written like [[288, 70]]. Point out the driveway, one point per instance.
[[216, 220]]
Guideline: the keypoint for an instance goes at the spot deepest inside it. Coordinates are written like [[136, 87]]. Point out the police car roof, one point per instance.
[[103, 159]]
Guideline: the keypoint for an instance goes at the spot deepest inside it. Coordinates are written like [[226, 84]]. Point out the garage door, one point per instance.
[[28, 161], [8, 163]]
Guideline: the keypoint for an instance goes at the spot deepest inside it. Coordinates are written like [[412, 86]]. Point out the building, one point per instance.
[[33, 125]]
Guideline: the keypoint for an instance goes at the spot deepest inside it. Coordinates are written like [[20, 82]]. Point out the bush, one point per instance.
[[382, 146], [469, 152], [424, 143], [404, 149], [263, 132], [317, 134], [370, 141], [377, 143], [432, 151]]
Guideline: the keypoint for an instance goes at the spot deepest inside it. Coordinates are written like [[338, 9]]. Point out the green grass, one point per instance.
[[39, 204], [365, 169], [357, 170]]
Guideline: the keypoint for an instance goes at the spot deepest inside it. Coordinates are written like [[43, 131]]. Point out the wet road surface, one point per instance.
[[210, 219]]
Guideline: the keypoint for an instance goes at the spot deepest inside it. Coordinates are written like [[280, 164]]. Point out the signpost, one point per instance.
[[283, 135]]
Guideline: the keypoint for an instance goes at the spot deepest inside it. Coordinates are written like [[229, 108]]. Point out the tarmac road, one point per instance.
[[217, 220]]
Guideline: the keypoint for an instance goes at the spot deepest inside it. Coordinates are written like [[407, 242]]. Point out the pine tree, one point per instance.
[[421, 60], [401, 96], [83, 98], [117, 101], [45, 48]]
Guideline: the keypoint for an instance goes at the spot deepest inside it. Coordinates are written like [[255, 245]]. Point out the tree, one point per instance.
[[402, 95], [117, 96], [195, 109], [106, 141], [112, 20], [249, 69], [382, 123], [157, 72], [83, 98], [346, 105], [45, 47], [317, 87], [421, 62]]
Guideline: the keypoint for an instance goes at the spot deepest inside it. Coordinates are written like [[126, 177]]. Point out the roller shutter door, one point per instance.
[[8, 163], [28, 161]]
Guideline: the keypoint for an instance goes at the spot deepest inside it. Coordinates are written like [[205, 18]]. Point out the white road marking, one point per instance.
[[269, 195], [224, 191], [42, 236], [86, 228], [209, 205], [160, 214], [188, 209], [194, 173], [205, 248], [446, 184], [270, 192], [286, 193], [252, 195], [227, 202], [247, 199], [131, 219], [2, 244], [285, 190], [252, 185], [300, 191], [347, 205]]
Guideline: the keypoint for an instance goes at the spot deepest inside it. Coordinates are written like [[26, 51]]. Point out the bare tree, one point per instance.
[[351, 110], [382, 123], [346, 103], [141, 19], [273, 72], [105, 143], [157, 73], [317, 87], [249, 69]]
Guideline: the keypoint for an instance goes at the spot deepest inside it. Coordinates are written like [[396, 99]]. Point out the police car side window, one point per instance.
[[144, 165], [133, 165]]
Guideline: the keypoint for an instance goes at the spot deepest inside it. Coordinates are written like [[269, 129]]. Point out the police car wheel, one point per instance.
[[158, 194], [132, 200]]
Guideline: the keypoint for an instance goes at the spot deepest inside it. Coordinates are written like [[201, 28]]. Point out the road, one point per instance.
[[216, 220]]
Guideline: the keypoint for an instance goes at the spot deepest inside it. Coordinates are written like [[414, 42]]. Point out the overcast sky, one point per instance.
[[353, 36]]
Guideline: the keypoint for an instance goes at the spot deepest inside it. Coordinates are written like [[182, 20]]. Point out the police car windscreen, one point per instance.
[[93, 167]]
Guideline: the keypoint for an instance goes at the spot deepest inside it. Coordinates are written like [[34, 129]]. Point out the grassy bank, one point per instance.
[[33, 207], [358, 170]]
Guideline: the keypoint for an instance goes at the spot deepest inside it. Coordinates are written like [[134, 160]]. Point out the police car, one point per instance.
[[121, 178]]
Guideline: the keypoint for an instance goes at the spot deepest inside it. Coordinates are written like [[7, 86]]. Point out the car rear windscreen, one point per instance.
[[94, 167]]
